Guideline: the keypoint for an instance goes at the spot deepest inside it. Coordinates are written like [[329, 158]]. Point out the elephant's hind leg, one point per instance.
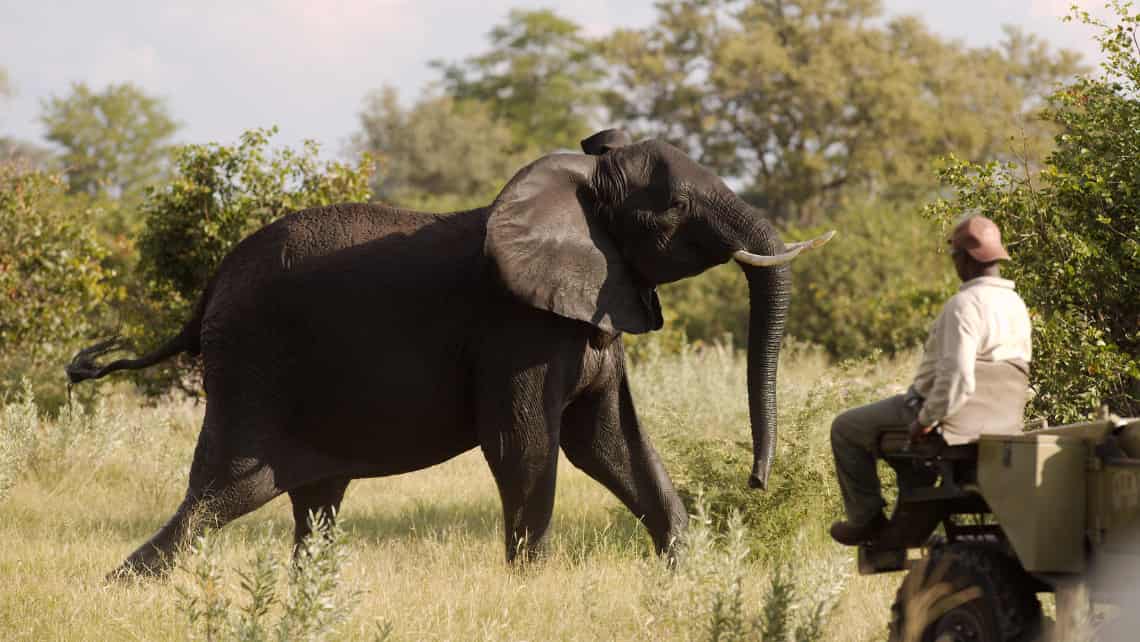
[[221, 490], [601, 436], [320, 499]]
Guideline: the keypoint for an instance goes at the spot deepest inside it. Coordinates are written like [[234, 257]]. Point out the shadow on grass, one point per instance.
[[576, 536]]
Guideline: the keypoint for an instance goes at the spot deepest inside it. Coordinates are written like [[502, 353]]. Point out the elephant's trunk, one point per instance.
[[769, 290]]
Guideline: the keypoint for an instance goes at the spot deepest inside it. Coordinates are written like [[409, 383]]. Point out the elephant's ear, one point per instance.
[[552, 252], [605, 140]]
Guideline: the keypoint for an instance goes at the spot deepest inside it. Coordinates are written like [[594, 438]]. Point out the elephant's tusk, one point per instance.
[[793, 250], [817, 242], [761, 260]]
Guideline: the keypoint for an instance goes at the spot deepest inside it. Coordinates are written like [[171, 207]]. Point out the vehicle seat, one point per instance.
[[953, 468]]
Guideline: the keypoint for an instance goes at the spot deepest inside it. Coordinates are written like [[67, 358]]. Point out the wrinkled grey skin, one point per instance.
[[360, 340]]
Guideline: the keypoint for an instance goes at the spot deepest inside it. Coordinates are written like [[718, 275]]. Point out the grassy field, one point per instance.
[[422, 556]]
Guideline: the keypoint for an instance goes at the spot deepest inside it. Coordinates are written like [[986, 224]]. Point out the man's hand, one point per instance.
[[918, 431]]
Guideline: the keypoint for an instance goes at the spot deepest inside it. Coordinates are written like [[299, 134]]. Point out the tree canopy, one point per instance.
[[803, 101], [441, 154], [52, 278], [1073, 229], [539, 77], [114, 142]]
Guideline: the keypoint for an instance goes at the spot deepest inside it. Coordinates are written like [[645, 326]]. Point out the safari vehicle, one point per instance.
[[1055, 510]]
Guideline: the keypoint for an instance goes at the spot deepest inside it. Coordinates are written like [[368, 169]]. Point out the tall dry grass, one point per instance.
[[421, 556]]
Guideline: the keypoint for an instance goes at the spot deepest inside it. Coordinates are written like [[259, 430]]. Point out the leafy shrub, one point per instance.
[[1073, 229], [217, 196], [52, 281], [706, 596], [876, 287], [803, 494], [75, 443], [33, 444], [311, 607]]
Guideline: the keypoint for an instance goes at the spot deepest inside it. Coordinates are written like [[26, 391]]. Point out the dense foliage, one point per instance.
[[52, 281], [877, 287], [804, 101], [1073, 229], [539, 78], [114, 141], [442, 155], [218, 195]]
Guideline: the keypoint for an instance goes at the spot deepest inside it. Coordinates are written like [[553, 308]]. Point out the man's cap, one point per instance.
[[980, 238]]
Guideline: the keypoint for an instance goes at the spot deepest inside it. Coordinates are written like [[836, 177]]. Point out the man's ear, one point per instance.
[[605, 140], [552, 253]]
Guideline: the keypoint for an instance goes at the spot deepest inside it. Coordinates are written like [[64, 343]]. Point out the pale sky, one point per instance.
[[224, 66]]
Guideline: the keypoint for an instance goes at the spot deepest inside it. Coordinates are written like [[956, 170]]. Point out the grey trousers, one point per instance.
[[854, 438]]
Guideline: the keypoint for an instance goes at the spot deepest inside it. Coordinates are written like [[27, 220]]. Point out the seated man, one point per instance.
[[973, 379]]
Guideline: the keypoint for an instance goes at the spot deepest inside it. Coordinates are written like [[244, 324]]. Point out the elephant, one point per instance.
[[362, 340]]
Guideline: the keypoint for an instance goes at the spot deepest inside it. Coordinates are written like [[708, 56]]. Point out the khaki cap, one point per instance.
[[980, 238]]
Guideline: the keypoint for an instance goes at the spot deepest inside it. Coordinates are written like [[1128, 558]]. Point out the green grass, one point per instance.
[[422, 553]]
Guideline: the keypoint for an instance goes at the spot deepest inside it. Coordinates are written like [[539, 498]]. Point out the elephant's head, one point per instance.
[[589, 237]]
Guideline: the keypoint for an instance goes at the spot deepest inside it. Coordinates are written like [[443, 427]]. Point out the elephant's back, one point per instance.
[[290, 241], [342, 265], [337, 242]]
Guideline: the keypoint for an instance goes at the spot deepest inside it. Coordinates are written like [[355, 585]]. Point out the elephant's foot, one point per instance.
[[527, 550], [147, 563]]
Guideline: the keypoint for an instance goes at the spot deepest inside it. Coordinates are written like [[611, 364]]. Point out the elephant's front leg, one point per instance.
[[601, 435], [519, 438]]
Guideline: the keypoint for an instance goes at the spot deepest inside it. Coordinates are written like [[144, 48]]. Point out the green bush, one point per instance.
[[218, 195], [1073, 229], [694, 403], [803, 494], [313, 605], [52, 281], [876, 287], [703, 596]]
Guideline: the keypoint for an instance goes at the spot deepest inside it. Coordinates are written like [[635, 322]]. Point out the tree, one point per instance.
[[52, 280], [1073, 228], [216, 196], [540, 78], [6, 90], [877, 287], [25, 154], [439, 155], [115, 142], [806, 101]]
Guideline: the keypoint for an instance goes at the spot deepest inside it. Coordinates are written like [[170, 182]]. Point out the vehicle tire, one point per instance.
[[966, 593]]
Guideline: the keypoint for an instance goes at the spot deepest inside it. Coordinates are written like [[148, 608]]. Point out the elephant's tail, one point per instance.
[[83, 366]]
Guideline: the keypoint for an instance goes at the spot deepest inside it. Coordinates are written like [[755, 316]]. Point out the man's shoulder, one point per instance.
[[962, 300], [998, 290], [984, 302]]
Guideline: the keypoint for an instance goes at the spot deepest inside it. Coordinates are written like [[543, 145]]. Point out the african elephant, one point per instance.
[[361, 340]]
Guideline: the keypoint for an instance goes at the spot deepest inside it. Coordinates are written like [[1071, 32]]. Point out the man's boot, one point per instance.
[[850, 534]]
